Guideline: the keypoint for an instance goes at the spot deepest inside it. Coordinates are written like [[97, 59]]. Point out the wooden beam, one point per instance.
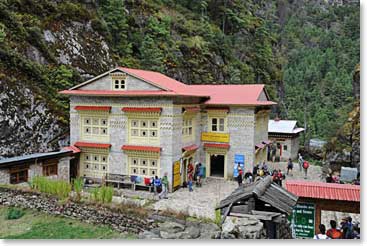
[[226, 213]]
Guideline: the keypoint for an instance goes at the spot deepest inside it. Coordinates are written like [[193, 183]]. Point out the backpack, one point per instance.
[[306, 165], [334, 234]]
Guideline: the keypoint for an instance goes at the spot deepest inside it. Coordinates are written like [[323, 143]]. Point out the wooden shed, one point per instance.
[[263, 200]]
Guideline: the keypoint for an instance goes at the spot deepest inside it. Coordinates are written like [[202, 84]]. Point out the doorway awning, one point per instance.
[[214, 145]]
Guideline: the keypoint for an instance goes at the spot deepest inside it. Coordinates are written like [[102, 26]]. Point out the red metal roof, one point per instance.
[[267, 142], [128, 109], [192, 109], [245, 94], [95, 108], [141, 148], [320, 190], [92, 145], [260, 146], [73, 148], [214, 145], [232, 94], [190, 147]]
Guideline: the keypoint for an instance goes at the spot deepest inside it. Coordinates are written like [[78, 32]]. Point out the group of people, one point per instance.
[[262, 170], [347, 230], [160, 186], [195, 174]]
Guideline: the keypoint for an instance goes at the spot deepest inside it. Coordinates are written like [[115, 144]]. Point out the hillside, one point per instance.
[[304, 51]]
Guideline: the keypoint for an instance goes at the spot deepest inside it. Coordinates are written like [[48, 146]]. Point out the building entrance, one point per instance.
[[217, 166]]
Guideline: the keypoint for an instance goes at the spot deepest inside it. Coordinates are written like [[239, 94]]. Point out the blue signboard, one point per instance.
[[238, 159]]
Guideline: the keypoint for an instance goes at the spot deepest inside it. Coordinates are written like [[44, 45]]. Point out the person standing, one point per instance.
[[280, 175], [347, 228], [333, 232], [305, 166], [290, 166], [300, 161], [322, 234], [164, 187], [157, 185]]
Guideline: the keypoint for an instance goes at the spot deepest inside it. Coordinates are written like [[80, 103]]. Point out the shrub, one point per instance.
[[78, 187], [103, 194], [59, 188], [14, 213]]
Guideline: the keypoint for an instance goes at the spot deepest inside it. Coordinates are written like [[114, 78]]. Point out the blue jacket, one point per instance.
[[157, 182]]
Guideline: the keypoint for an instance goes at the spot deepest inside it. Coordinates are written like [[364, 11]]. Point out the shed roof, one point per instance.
[[320, 190], [266, 191], [32, 157], [284, 126]]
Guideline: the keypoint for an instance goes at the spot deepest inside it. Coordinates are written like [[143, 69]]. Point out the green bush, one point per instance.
[[59, 188], [78, 187], [14, 213], [103, 194]]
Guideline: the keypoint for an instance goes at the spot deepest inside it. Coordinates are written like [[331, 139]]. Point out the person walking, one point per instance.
[[300, 161], [200, 174], [290, 167], [333, 232], [164, 192], [239, 176], [157, 185], [322, 234], [305, 166], [190, 183]]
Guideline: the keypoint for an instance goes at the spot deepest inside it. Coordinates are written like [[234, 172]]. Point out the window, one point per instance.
[[285, 147], [119, 84], [18, 176], [94, 164], [187, 129], [143, 166], [145, 130], [217, 124], [94, 126], [49, 169]]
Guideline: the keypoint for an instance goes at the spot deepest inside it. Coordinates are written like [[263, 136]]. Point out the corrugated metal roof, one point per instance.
[[283, 126], [92, 145], [329, 191], [33, 156], [141, 109], [190, 147], [93, 108], [215, 145], [247, 94], [141, 148]]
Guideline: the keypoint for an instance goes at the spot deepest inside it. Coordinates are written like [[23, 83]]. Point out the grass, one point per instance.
[[59, 188], [102, 194], [37, 225], [78, 187]]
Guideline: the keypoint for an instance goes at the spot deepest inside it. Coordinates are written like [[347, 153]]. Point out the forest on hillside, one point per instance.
[[304, 51]]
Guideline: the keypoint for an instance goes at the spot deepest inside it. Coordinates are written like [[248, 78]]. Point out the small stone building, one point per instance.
[[139, 123], [284, 135], [21, 169]]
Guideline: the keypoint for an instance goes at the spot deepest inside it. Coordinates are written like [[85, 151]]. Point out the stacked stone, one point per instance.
[[85, 212]]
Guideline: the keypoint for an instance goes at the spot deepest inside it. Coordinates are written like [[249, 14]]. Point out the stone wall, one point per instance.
[[122, 222], [106, 83], [63, 168], [4, 176]]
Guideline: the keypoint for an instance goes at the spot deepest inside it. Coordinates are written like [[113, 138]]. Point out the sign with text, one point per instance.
[[303, 220], [215, 137], [176, 175], [238, 159]]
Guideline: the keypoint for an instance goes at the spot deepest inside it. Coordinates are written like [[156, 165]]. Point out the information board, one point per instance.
[[238, 159], [215, 137], [303, 220], [176, 175]]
